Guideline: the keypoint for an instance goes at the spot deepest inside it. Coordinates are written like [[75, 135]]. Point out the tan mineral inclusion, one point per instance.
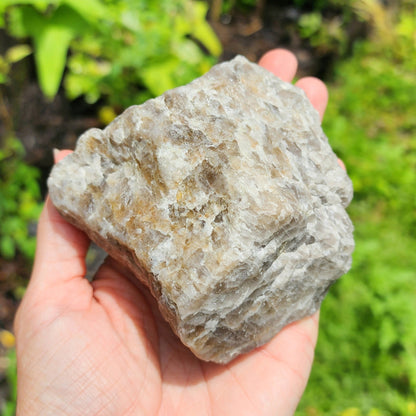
[[224, 197]]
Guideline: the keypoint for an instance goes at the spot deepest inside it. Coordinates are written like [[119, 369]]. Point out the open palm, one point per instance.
[[102, 347]]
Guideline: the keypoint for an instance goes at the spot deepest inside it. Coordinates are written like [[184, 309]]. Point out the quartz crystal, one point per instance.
[[224, 197]]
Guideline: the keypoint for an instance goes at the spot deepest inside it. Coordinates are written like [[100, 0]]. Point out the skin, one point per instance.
[[102, 348]]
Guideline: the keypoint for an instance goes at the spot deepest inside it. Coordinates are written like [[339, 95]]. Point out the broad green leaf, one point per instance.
[[90, 10], [40, 5], [158, 77], [24, 21], [202, 31], [51, 37], [51, 46], [72, 20], [187, 51], [17, 53]]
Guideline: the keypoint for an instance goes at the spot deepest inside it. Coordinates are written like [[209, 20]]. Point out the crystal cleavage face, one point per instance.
[[224, 197]]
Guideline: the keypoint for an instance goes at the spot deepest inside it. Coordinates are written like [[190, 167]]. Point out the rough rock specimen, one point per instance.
[[224, 197]]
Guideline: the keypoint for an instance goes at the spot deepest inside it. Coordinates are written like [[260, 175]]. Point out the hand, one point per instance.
[[102, 348]]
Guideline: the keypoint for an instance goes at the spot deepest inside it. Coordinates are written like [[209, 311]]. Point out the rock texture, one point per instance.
[[225, 199]]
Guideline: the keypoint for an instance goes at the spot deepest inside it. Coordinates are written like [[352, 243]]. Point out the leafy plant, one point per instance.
[[114, 48], [144, 52], [19, 201], [51, 26]]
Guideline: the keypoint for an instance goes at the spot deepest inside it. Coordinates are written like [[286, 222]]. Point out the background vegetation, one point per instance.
[[113, 53], [366, 356]]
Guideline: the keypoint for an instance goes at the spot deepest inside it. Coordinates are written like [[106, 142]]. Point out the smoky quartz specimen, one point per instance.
[[224, 197]]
